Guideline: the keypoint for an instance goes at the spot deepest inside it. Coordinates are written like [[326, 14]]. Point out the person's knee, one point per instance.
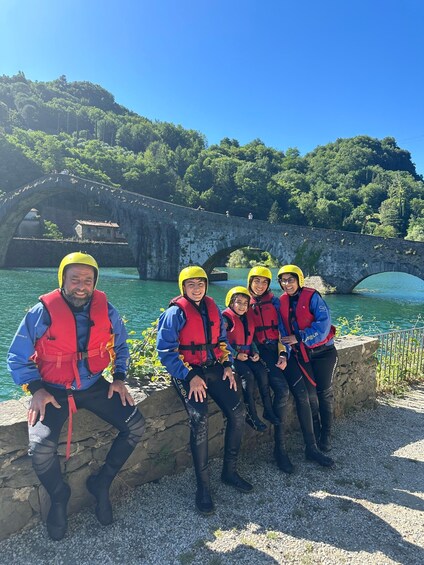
[[136, 427], [43, 454], [326, 394], [198, 425], [281, 393], [301, 396], [237, 415]]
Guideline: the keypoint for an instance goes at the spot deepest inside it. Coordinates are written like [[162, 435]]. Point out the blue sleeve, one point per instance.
[[19, 362], [321, 325], [228, 323], [121, 347], [169, 326]]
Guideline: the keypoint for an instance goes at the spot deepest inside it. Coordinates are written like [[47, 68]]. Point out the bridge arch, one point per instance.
[[165, 237]]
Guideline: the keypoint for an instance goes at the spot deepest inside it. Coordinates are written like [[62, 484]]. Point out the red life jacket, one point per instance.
[[303, 316], [237, 334], [265, 318], [56, 352], [194, 342]]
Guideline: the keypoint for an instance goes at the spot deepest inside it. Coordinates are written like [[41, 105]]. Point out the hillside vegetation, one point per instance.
[[361, 184]]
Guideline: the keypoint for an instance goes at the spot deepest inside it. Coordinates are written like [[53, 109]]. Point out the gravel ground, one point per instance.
[[368, 509]]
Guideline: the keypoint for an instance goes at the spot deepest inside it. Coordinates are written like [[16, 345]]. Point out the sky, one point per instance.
[[298, 73]]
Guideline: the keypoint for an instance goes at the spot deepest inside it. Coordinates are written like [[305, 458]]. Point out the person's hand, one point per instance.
[[254, 357], [197, 389], [281, 363], [120, 387], [38, 404], [242, 356], [289, 339], [229, 374]]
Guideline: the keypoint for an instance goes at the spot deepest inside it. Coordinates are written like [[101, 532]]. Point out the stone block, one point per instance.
[[15, 510], [19, 473]]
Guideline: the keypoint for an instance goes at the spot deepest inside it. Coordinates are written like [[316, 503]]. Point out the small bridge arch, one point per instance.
[[165, 237]]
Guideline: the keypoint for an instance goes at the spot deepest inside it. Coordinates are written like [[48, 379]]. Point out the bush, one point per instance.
[[51, 230], [144, 361]]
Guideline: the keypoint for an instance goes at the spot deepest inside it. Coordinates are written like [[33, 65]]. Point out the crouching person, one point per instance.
[[193, 347], [240, 326], [59, 353]]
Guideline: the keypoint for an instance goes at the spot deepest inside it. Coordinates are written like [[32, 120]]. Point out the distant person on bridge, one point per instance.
[[284, 373], [240, 326], [193, 346], [310, 334], [59, 353]]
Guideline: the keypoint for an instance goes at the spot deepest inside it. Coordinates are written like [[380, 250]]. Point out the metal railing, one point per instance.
[[400, 357]]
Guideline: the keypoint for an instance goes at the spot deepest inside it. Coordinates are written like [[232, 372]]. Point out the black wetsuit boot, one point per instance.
[[199, 451], [280, 453], [326, 407], [312, 453], [248, 387], [98, 485], [44, 456], [233, 436], [268, 409], [253, 420], [57, 520]]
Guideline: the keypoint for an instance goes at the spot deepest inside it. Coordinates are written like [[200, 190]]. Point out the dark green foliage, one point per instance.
[[360, 184]]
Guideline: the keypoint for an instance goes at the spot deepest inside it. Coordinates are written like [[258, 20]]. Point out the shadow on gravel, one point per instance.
[[366, 505], [367, 502]]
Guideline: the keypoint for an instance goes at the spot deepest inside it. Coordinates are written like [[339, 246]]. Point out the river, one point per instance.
[[389, 300]]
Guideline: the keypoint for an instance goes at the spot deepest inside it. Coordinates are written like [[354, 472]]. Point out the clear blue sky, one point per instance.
[[292, 73]]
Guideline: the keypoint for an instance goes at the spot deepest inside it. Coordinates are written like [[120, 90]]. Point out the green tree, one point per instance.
[[416, 230], [51, 230]]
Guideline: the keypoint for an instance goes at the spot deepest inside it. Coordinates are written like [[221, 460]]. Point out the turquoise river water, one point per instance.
[[386, 301]]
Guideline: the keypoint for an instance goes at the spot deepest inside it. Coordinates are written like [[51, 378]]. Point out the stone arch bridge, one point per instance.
[[165, 237]]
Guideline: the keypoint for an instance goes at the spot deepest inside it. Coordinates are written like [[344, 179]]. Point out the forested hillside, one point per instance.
[[360, 184]]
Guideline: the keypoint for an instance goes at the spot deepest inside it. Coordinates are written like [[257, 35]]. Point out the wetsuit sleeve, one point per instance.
[[122, 354], [169, 326], [19, 362], [227, 357], [321, 325]]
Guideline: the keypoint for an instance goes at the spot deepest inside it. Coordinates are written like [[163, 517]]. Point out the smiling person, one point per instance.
[[58, 354], [193, 346], [310, 334], [240, 326], [283, 371]]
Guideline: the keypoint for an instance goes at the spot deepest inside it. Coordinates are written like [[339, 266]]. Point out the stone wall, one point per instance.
[[164, 449], [28, 252]]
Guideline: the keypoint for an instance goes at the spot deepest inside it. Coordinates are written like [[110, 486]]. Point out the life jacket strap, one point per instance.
[[193, 347], [264, 328], [72, 409]]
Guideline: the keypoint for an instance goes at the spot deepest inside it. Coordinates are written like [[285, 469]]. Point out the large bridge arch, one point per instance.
[[165, 237]]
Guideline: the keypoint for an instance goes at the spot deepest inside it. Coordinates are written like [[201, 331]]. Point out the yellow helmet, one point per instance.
[[259, 271], [294, 270], [77, 258], [192, 272], [236, 290]]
